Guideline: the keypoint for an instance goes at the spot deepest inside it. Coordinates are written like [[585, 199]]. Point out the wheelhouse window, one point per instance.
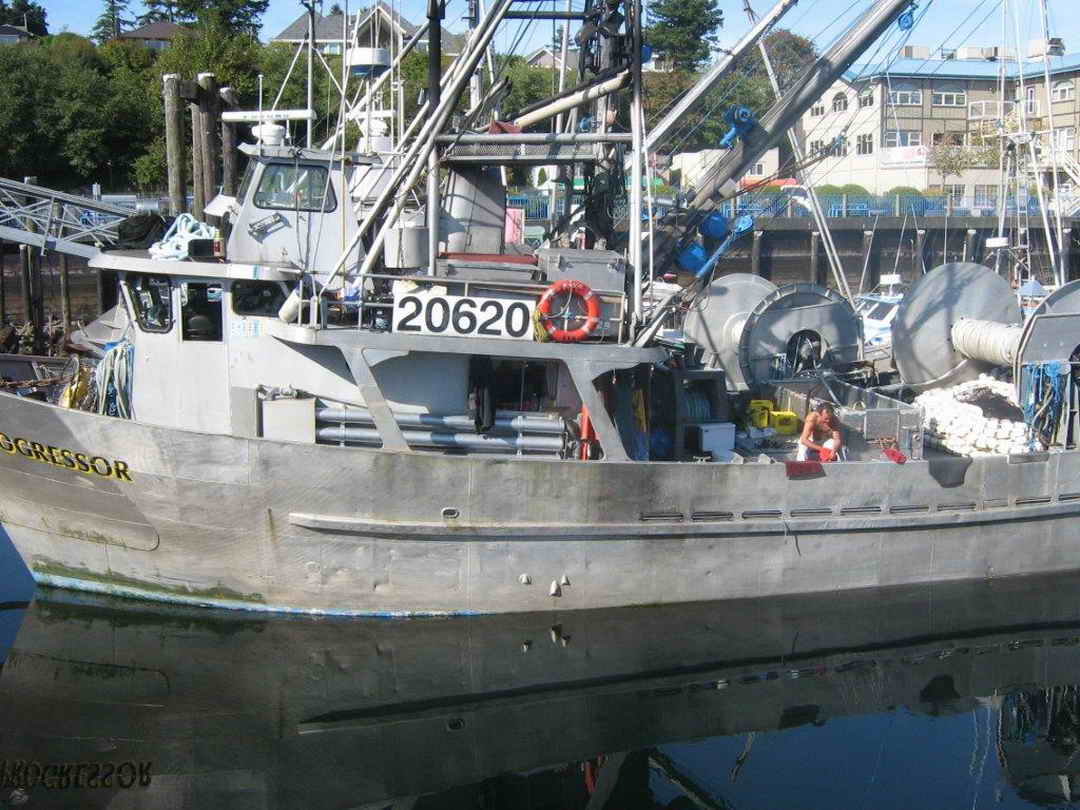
[[295, 187], [261, 298], [905, 95], [839, 102], [200, 310], [152, 297]]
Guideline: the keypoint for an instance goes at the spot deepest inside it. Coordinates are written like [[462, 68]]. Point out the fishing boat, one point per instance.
[[369, 405]]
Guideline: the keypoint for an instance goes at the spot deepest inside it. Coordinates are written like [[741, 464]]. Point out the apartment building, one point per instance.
[[878, 124]]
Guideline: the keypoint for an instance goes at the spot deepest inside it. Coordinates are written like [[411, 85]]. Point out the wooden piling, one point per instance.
[[969, 245], [1066, 255], [198, 196], [920, 252], [174, 144], [815, 271], [866, 281], [65, 294], [24, 283], [755, 253], [3, 287], [229, 163], [209, 116]]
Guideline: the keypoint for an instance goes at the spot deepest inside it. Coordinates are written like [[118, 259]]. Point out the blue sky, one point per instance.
[[810, 18]]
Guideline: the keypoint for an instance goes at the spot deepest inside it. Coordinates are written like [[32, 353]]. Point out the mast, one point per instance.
[[434, 95], [1060, 273], [635, 173]]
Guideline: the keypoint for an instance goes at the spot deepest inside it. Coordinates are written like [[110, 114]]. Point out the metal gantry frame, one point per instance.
[[53, 220]]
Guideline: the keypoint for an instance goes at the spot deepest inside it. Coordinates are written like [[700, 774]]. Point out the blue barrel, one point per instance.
[[692, 258], [714, 226]]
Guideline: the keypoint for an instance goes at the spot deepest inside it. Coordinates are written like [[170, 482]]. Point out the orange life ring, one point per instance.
[[592, 310]]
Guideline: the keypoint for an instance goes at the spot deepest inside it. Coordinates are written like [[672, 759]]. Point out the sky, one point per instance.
[[946, 22]]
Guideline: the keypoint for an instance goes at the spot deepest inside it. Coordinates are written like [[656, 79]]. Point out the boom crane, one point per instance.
[[757, 137]]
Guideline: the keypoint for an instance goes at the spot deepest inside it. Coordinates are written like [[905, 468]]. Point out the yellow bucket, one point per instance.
[[784, 422]]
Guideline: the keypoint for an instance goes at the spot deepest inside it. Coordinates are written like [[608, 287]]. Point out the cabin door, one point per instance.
[[203, 392]]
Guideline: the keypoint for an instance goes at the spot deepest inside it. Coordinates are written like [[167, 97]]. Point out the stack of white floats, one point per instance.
[[951, 422]]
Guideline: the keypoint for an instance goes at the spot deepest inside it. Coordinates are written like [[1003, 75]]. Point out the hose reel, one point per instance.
[[748, 326]]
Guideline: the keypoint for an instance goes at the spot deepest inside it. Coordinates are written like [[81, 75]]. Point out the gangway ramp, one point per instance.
[[53, 220]]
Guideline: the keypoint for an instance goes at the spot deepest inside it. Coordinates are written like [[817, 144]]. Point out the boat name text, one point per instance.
[[20, 773], [68, 459]]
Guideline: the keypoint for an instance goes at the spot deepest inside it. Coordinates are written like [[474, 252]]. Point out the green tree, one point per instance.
[[25, 12], [158, 10], [234, 16], [684, 32], [953, 160], [113, 19]]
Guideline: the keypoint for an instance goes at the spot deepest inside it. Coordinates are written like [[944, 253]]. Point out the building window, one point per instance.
[[986, 196], [1065, 138], [866, 98], [839, 147], [903, 137], [816, 147], [948, 139], [817, 109], [949, 98], [954, 193], [1031, 104], [905, 95], [839, 102], [864, 145], [979, 110], [331, 48], [1063, 91], [757, 170]]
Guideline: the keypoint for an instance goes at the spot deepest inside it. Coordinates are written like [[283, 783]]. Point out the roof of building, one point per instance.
[[571, 54], [328, 28], [162, 29], [959, 68], [13, 31]]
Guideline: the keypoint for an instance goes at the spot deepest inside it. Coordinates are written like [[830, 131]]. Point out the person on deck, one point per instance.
[[820, 439]]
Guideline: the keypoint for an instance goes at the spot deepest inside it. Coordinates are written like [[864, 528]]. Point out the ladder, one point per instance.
[[53, 220]]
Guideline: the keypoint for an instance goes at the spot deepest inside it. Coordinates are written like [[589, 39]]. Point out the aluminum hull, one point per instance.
[[257, 524]]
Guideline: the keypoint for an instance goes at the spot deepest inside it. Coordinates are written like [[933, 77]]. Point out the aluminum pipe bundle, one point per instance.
[[519, 423], [458, 441]]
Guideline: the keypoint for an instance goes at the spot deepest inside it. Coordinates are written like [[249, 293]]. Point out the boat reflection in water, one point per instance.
[[933, 696]]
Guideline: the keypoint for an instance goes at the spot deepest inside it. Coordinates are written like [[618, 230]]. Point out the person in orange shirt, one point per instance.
[[820, 439]]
